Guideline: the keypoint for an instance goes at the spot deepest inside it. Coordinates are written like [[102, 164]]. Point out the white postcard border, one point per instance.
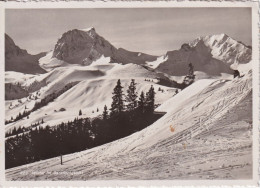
[[102, 4]]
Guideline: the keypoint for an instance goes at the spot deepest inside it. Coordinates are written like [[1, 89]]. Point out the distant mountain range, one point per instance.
[[212, 55]]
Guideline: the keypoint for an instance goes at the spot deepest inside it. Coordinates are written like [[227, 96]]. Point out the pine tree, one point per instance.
[[80, 112], [191, 69], [105, 113], [42, 121], [189, 79], [141, 102], [131, 96], [97, 109], [149, 100], [117, 105], [14, 131]]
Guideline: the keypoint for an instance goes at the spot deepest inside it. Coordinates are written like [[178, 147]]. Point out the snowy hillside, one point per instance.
[[14, 77], [205, 126], [94, 90], [185, 114]]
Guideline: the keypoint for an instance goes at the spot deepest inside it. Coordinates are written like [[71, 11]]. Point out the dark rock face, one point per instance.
[[82, 47], [125, 56], [11, 50], [199, 56], [14, 91], [85, 46], [19, 60]]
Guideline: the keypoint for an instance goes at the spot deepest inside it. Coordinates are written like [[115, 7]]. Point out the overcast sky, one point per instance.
[[149, 30]]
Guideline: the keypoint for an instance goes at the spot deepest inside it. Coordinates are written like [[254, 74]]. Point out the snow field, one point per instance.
[[215, 142]]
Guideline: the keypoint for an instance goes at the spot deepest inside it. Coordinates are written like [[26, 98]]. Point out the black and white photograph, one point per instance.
[[134, 93]]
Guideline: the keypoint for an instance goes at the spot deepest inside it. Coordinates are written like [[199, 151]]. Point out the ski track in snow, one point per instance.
[[212, 139]]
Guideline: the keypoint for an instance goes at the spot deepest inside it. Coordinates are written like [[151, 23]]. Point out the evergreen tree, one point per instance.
[[80, 112], [117, 105], [14, 131], [189, 79], [131, 96], [141, 102], [191, 69], [105, 113], [97, 109], [149, 100]]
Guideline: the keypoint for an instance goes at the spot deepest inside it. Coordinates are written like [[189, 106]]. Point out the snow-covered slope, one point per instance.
[[204, 131], [49, 63], [17, 77], [157, 62], [205, 134], [94, 90]]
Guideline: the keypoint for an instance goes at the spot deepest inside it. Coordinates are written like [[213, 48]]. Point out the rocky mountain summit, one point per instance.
[[212, 55], [85, 46], [19, 60]]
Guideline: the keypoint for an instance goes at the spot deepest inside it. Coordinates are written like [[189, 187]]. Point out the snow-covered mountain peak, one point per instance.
[[218, 37], [90, 29], [225, 48], [212, 54], [211, 40]]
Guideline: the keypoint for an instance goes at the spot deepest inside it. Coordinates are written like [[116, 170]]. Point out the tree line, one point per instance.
[[127, 114], [43, 102]]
